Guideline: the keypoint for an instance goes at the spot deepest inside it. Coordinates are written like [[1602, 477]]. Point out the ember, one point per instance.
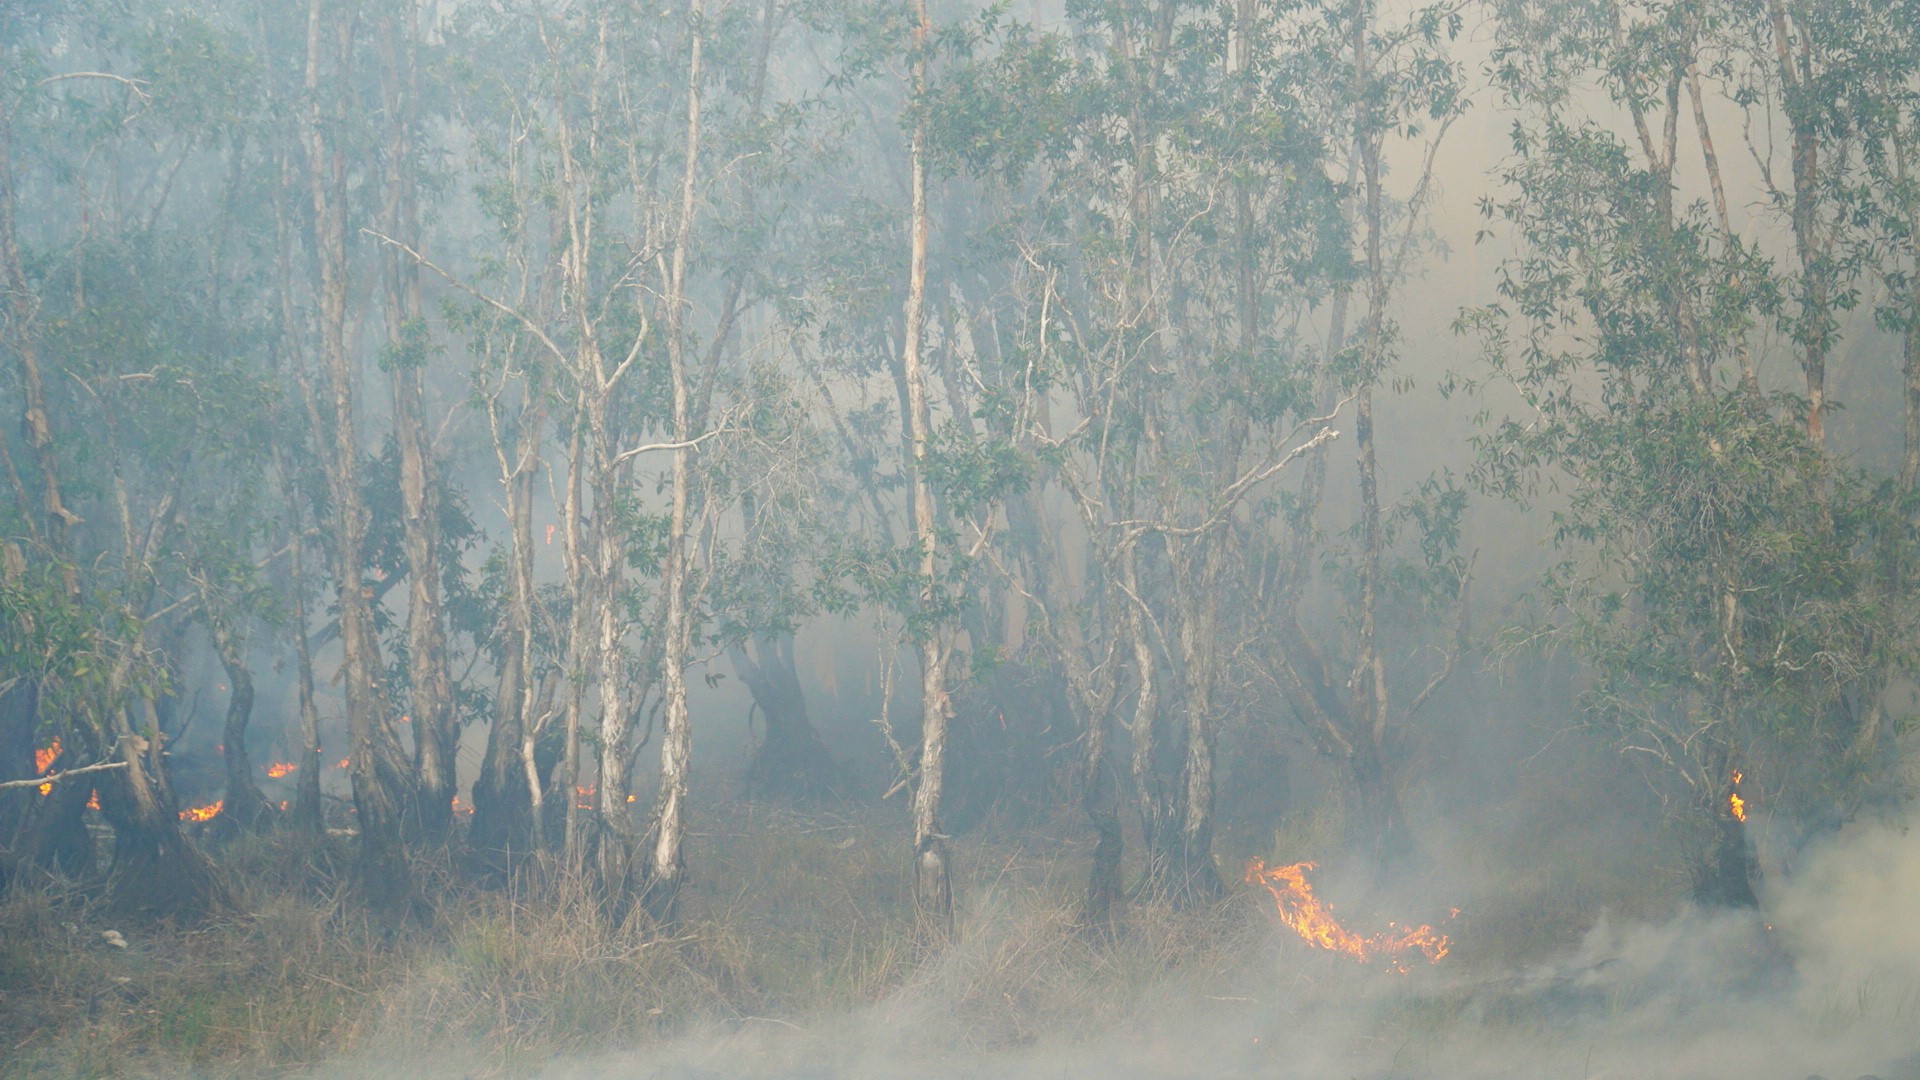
[[1310, 917]]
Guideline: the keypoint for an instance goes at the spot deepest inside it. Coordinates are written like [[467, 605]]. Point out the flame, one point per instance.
[[43, 760], [281, 768], [202, 813], [44, 757], [93, 800], [460, 807], [344, 763], [1734, 802], [1310, 917]]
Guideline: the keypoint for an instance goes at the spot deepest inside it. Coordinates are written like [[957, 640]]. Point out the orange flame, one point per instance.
[[1310, 917], [344, 763], [93, 801], [1734, 802], [281, 768], [460, 807], [202, 813], [43, 760]]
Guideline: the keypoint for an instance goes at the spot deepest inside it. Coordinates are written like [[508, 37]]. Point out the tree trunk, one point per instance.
[[1727, 869], [1100, 798], [1195, 878], [562, 806], [614, 840], [1159, 815], [667, 869], [430, 682], [19, 720], [1379, 802], [56, 837], [932, 861], [791, 763], [503, 792], [379, 765], [1380, 826], [1814, 335], [244, 806], [1910, 338], [157, 872], [308, 813], [48, 833]]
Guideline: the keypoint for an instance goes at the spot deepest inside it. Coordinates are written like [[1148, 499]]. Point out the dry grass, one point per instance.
[[280, 984], [790, 919], [789, 916]]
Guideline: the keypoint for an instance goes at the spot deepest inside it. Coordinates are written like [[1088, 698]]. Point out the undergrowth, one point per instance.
[[791, 917]]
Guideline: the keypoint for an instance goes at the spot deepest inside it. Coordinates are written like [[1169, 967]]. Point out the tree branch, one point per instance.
[[54, 778]]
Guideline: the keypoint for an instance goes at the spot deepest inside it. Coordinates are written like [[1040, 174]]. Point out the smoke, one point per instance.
[[1823, 982]]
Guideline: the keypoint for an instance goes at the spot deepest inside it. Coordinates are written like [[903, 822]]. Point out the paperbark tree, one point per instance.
[[931, 857], [380, 771], [430, 682]]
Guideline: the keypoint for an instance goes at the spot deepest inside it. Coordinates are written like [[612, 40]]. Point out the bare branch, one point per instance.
[[492, 302], [627, 455], [54, 778]]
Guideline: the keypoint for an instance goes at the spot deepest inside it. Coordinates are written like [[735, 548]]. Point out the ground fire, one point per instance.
[[203, 813], [1312, 918], [281, 768]]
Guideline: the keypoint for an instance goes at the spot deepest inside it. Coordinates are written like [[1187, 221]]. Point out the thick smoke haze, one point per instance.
[[828, 538]]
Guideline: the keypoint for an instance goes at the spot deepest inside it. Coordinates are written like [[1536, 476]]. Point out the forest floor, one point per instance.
[[792, 917]]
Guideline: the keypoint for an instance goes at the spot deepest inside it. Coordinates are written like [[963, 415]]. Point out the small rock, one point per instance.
[[113, 938]]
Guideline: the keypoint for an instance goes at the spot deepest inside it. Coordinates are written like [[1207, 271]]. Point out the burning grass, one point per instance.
[[791, 920], [1312, 918]]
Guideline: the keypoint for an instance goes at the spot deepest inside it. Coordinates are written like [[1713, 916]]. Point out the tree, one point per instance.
[[436, 728], [1723, 568], [380, 771]]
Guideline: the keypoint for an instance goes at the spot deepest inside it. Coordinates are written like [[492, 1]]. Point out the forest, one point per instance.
[[939, 538]]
